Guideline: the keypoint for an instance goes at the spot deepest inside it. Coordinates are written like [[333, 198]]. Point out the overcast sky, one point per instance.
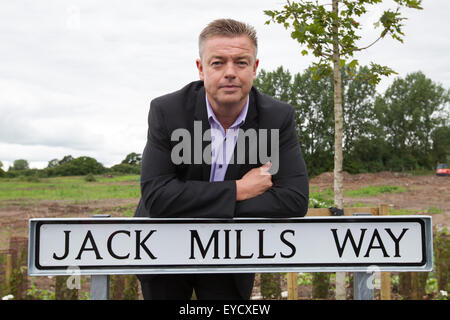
[[77, 77]]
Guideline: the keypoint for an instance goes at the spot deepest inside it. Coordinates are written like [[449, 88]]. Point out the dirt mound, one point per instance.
[[328, 177], [379, 177]]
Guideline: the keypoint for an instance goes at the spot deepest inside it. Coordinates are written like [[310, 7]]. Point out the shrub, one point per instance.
[[125, 168], [441, 247], [90, 178], [270, 286], [131, 287], [321, 285]]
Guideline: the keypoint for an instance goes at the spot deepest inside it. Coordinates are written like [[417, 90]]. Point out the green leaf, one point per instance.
[[353, 64], [304, 52]]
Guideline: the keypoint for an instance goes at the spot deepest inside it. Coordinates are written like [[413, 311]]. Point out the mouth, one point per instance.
[[230, 87]]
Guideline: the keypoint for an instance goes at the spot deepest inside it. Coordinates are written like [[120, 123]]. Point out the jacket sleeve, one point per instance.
[[288, 197], [163, 195]]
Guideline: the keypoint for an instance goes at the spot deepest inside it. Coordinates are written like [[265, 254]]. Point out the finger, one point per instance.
[[267, 165], [265, 169]]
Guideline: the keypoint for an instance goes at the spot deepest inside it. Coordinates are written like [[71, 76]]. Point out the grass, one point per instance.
[[71, 188], [434, 210], [399, 212], [372, 191], [325, 198], [321, 199], [78, 190], [360, 205], [125, 211], [430, 210]]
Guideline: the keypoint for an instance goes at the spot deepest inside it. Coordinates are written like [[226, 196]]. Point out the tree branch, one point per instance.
[[366, 47], [362, 48]]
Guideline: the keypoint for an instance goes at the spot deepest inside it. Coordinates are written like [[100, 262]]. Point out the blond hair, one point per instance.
[[227, 28]]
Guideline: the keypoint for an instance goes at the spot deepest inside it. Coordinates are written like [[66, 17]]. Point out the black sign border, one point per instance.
[[231, 221]]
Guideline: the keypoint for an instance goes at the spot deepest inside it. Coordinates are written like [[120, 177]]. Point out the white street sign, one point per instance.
[[145, 246]]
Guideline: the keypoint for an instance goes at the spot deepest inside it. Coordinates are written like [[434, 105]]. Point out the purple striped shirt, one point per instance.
[[222, 143]]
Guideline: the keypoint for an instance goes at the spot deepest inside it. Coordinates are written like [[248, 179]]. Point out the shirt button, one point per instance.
[[220, 166]]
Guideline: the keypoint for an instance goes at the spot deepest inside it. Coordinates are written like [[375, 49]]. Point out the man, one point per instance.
[[220, 186]]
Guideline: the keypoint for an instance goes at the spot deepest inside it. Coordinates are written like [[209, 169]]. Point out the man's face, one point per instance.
[[227, 68]]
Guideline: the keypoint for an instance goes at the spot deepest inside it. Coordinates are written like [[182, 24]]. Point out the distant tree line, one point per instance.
[[70, 166], [406, 128]]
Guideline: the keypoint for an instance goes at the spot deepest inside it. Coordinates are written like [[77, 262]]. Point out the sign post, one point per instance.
[[106, 246], [100, 287]]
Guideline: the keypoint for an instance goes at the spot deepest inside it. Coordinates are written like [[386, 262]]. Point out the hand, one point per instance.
[[253, 183]]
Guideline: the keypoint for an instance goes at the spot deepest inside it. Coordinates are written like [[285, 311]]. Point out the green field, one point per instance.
[[78, 190], [123, 187], [71, 188]]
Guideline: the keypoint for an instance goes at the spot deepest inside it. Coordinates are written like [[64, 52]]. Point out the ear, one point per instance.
[[200, 69], [255, 68]]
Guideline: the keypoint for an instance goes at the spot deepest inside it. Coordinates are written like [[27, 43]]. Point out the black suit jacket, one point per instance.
[[184, 190]]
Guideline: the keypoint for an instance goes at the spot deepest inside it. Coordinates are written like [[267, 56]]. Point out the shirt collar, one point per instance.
[[239, 120]]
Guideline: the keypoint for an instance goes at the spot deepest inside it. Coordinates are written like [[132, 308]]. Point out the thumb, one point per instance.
[[267, 165], [265, 168]]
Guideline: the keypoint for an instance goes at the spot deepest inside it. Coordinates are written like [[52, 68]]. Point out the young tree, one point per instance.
[[330, 34]]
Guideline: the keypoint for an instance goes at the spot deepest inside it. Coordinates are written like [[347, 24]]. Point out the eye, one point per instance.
[[242, 63], [216, 63]]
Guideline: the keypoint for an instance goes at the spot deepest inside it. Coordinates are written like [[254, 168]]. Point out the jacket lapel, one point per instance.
[[234, 171], [200, 114]]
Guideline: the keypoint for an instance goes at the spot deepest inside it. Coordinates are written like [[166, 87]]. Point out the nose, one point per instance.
[[230, 71]]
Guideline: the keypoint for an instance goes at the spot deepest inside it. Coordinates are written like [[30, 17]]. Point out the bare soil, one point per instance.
[[425, 195]]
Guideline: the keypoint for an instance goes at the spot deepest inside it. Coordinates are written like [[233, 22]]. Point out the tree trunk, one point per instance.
[[338, 118], [338, 128]]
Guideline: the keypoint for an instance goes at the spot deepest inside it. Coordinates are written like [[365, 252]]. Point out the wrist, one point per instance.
[[240, 194]]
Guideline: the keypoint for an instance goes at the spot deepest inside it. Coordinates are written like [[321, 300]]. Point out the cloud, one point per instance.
[[77, 77]]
